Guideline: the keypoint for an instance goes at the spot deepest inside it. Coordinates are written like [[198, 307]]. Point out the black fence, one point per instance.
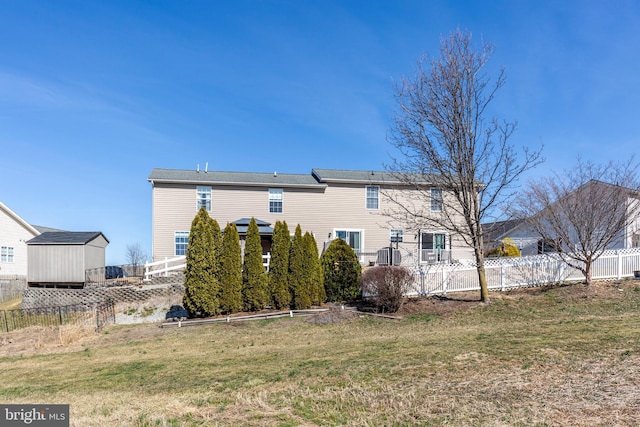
[[96, 315], [114, 275]]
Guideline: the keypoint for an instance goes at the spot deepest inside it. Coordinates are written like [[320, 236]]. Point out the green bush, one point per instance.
[[230, 271], [201, 285], [342, 272], [254, 276], [314, 270], [279, 266], [298, 273]]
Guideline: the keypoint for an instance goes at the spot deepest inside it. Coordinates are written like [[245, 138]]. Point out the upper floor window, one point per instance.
[[181, 240], [275, 200], [372, 196], [203, 198], [6, 254], [436, 199]]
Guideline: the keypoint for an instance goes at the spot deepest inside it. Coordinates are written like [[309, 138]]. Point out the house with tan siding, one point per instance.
[[328, 203]]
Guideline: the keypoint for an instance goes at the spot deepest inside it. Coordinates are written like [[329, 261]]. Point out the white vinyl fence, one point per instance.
[[509, 273]]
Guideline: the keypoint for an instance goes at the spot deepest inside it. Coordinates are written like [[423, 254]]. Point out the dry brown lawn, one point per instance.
[[550, 356]]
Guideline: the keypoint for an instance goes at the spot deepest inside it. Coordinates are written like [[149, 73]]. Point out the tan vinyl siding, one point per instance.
[[321, 211]]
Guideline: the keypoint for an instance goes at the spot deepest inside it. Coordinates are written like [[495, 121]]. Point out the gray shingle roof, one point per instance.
[[230, 178], [318, 178], [369, 177], [66, 237]]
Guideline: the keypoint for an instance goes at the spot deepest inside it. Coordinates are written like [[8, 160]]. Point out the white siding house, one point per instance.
[[14, 232], [328, 203]]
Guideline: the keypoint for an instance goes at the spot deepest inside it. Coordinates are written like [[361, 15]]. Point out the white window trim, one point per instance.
[[366, 197], [175, 244], [206, 189], [7, 254], [281, 190], [432, 200], [359, 230]]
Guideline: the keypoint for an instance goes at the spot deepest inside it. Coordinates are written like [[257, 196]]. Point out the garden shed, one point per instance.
[[59, 259]]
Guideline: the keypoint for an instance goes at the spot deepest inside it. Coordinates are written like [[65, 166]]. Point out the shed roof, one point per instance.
[[66, 238]]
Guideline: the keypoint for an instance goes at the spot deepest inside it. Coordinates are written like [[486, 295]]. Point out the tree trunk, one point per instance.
[[587, 274], [482, 278]]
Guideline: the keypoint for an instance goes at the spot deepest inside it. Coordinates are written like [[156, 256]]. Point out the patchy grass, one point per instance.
[[545, 356]]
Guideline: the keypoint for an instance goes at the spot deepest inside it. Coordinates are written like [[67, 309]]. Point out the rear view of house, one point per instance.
[[328, 203]]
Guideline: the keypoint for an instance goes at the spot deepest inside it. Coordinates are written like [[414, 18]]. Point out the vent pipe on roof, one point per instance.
[[275, 173], [206, 167], [198, 167]]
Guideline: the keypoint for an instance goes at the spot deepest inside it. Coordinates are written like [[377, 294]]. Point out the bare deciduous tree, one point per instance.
[[136, 256], [584, 211], [446, 141]]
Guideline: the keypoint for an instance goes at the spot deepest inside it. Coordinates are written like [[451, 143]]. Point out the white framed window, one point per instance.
[[354, 238], [372, 196], [276, 196], [203, 198], [396, 235], [436, 199], [6, 254], [433, 247], [181, 242]]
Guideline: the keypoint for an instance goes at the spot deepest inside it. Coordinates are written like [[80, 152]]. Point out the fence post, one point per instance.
[[60, 315], [619, 264], [501, 275], [444, 280], [166, 267], [6, 323]]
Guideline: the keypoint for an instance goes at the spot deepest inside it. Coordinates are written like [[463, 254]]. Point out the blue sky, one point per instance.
[[93, 95]]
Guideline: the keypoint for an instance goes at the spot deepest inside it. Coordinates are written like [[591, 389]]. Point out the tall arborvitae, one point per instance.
[[314, 269], [342, 272], [201, 286], [279, 266], [298, 280], [216, 234], [230, 271], [254, 276]]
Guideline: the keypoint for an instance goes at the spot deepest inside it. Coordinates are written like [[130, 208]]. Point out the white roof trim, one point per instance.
[[19, 220]]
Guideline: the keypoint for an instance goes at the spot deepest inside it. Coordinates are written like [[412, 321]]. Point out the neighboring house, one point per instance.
[[530, 242], [328, 203], [62, 258], [522, 235], [14, 232]]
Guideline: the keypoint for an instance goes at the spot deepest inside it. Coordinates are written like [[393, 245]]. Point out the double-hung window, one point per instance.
[[203, 198], [372, 196], [181, 241], [6, 254], [275, 200], [436, 199]]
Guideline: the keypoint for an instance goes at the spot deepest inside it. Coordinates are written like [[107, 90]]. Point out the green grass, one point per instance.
[[560, 357]]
